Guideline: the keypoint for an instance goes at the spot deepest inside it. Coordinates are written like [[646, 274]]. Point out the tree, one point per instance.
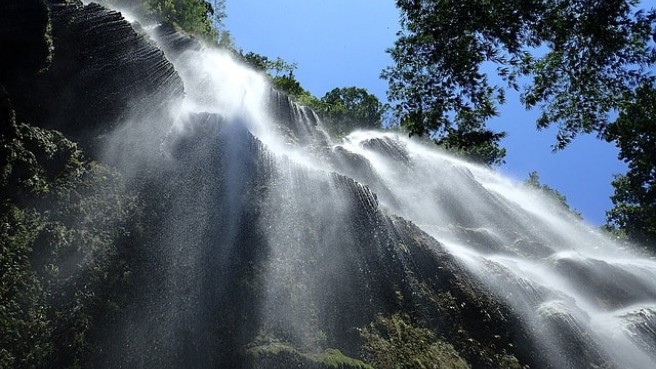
[[533, 181], [584, 59], [280, 72], [480, 146], [348, 108], [281, 75], [198, 17], [263, 63], [634, 200], [289, 85]]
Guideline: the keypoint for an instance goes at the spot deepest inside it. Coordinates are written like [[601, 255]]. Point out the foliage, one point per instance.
[[634, 200], [481, 145], [280, 72], [396, 343], [21, 296], [292, 87], [281, 355], [198, 17], [533, 181], [289, 85], [584, 59], [59, 270], [265, 64], [348, 108]]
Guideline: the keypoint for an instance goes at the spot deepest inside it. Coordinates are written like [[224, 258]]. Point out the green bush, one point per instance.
[[62, 221], [280, 355], [395, 342]]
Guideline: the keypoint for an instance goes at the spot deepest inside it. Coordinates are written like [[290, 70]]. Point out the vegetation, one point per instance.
[[201, 18], [197, 17], [396, 343], [481, 146], [264, 64], [345, 109], [62, 269], [583, 60], [533, 181], [634, 132], [282, 76], [279, 355]]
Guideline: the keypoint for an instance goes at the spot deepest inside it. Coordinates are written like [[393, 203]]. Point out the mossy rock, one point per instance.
[[280, 355], [396, 342]]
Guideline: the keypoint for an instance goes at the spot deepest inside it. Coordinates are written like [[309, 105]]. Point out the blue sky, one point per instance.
[[342, 43]]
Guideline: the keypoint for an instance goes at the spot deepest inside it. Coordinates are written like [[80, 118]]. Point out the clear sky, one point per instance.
[[342, 43]]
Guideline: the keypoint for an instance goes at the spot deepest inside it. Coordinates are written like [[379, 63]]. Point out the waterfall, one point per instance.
[[564, 277], [268, 225]]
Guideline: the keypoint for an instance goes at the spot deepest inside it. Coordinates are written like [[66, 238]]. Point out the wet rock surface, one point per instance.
[[100, 71]]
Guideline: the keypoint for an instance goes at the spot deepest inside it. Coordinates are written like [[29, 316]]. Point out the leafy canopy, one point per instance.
[[481, 146], [348, 108], [197, 17], [584, 59], [634, 200]]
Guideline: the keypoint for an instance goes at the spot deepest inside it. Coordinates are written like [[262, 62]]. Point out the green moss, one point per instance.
[[395, 342], [280, 355], [333, 358]]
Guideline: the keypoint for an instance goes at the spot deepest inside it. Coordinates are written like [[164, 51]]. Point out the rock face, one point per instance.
[[25, 39], [99, 69]]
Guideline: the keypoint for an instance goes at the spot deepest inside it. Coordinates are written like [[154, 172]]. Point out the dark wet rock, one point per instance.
[[528, 246], [329, 269], [480, 239], [298, 123], [25, 40], [101, 72], [576, 348], [388, 147], [174, 41], [640, 325], [26, 44], [357, 167], [609, 285]]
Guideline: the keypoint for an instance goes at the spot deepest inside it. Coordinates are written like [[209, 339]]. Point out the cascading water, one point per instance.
[[250, 178], [565, 278]]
